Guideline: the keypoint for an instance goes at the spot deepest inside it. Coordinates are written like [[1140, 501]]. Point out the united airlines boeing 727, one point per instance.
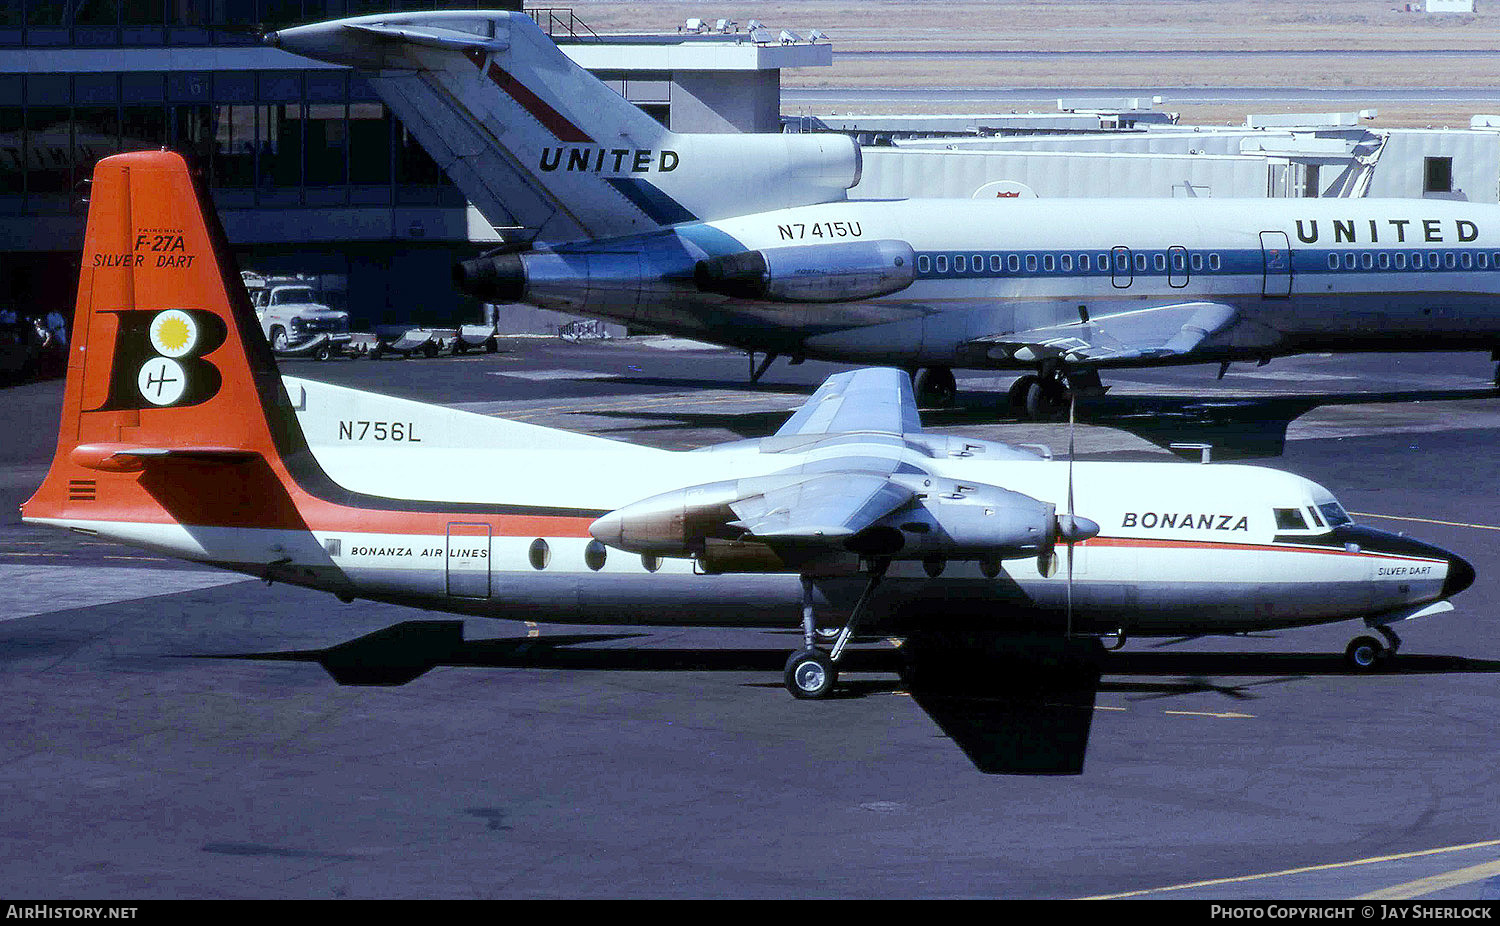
[[752, 241]]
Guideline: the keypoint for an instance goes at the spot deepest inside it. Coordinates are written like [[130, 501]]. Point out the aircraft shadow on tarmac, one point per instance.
[[1237, 427], [1011, 710]]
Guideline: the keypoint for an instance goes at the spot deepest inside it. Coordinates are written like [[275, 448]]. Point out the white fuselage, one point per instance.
[[490, 517], [1303, 274]]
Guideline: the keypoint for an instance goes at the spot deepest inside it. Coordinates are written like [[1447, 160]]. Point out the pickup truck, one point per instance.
[[295, 324]]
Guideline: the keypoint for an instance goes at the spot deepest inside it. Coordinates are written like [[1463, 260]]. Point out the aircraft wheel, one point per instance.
[[935, 387], [810, 674], [429, 350], [491, 345], [1018, 391], [1366, 654], [1046, 400]]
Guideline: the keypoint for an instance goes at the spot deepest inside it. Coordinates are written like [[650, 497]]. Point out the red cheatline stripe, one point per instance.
[[1257, 547], [555, 121]]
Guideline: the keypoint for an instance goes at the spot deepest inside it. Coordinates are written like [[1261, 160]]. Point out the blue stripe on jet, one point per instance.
[[1212, 262], [658, 206]]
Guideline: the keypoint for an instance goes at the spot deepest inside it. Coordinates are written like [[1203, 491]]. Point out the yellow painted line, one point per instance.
[[1424, 886], [1333, 866], [1392, 517], [1225, 715]]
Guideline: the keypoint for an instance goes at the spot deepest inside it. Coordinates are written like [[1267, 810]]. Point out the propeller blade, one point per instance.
[[1072, 521]]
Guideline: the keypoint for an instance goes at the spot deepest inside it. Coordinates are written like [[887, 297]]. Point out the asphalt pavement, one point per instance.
[[173, 731]]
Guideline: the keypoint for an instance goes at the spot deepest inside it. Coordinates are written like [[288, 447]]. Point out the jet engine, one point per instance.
[[811, 273]]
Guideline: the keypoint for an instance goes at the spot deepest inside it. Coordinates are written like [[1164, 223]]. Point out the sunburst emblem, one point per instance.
[[174, 333]]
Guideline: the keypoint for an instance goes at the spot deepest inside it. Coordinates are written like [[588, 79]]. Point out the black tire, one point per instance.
[[491, 345], [459, 347], [935, 387], [810, 674], [1046, 401], [429, 350], [1366, 654], [1018, 389], [323, 353]]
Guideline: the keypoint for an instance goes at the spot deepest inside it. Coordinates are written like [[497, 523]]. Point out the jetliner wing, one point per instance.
[[825, 507], [1152, 333], [877, 399]]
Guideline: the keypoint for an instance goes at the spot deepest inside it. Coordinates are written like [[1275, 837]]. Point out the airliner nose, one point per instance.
[[1460, 576]]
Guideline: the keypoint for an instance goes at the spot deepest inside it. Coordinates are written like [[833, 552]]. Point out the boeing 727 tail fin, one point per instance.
[[538, 143]]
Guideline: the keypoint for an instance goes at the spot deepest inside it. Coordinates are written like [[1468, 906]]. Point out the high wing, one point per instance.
[[873, 490], [831, 506], [1155, 333], [871, 400]]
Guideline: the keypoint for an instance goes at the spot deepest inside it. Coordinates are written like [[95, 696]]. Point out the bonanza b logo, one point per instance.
[[157, 360]]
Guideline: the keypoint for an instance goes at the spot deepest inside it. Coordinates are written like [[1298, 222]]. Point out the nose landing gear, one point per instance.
[[1368, 654]]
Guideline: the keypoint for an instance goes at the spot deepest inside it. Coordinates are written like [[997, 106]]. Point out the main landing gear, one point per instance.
[[810, 672], [1045, 396], [1368, 654], [934, 387]]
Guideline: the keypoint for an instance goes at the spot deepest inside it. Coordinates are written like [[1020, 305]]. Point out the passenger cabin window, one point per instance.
[[1290, 519]]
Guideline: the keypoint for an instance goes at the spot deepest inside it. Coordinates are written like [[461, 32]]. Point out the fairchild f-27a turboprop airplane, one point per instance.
[[179, 435], [751, 240]]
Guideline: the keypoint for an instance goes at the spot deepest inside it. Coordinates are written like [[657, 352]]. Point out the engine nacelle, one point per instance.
[[840, 272], [673, 523], [964, 522]]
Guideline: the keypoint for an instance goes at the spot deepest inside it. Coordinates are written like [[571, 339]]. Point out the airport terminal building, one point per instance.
[[310, 172]]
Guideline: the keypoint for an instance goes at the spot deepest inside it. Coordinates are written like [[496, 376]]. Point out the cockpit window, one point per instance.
[[1314, 512], [1290, 519], [1334, 514]]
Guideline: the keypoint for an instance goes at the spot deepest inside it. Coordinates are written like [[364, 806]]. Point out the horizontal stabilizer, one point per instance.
[[431, 36], [1155, 333], [121, 458]]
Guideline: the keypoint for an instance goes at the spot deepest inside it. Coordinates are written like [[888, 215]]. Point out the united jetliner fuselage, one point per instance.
[[1304, 275]]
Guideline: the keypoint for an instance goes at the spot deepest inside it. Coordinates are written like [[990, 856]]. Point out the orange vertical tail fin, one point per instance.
[[167, 365]]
